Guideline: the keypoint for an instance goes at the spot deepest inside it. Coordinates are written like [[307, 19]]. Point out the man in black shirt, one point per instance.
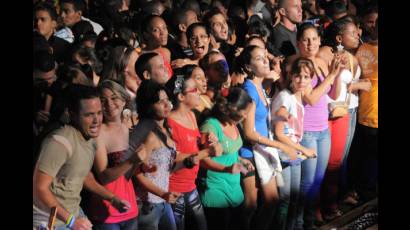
[[283, 37], [45, 23], [179, 46]]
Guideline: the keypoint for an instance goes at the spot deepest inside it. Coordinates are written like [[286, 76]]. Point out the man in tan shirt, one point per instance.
[[64, 165]]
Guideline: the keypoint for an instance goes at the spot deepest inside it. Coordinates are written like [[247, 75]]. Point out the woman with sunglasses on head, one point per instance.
[[185, 97]]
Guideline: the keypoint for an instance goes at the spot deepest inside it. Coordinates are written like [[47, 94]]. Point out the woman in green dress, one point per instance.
[[223, 195]]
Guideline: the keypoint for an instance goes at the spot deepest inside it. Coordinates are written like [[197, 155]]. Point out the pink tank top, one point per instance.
[[101, 210]]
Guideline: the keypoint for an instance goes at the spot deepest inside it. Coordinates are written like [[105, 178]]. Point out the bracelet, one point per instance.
[[112, 199], [70, 221]]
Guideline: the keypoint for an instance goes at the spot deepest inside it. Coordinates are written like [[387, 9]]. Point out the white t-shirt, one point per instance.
[[294, 127]]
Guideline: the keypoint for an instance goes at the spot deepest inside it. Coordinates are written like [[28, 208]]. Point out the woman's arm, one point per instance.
[[147, 184], [210, 164], [362, 84], [106, 175], [314, 95], [279, 134], [254, 137]]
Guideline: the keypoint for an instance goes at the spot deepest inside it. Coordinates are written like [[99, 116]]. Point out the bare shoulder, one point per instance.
[[167, 53], [325, 53]]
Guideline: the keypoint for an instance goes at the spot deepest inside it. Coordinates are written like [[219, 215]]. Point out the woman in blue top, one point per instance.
[[254, 62]]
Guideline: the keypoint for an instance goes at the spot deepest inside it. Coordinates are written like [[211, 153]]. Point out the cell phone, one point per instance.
[[52, 218]]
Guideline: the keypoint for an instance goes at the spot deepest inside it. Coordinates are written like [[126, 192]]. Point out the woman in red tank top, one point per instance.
[[185, 132]]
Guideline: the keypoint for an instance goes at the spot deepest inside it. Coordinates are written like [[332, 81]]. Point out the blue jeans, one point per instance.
[[288, 197], [350, 135], [312, 174], [189, 203], [155, 216], [131, 224]]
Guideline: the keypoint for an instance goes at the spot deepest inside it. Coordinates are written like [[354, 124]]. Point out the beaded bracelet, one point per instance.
[[70, 221]]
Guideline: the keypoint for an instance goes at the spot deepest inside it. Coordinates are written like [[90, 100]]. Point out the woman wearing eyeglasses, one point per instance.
[[199, 38], [185, 96]]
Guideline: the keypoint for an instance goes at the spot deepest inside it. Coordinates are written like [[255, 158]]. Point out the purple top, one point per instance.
[[316, 116]]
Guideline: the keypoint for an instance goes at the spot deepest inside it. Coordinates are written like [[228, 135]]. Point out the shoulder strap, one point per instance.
[[351, 63]]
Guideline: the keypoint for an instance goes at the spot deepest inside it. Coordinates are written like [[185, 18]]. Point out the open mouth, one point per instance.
[[200, 49], [94, 129]]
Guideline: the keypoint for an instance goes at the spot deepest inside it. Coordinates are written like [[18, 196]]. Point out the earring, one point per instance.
[[171, 105], [126, 113], [340, 47]]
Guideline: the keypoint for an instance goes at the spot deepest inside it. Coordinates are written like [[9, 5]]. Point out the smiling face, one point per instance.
[[191, 94], [113, 104], [199, 41], [219, 27], [259, 63], [162, 107], [157, 34], [199, 77], [309, 43]]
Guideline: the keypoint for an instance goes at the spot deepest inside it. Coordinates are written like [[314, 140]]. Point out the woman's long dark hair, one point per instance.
[[147, 96], [227, 108]]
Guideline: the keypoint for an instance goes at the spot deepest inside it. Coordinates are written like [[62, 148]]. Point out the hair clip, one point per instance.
[[178, 84]]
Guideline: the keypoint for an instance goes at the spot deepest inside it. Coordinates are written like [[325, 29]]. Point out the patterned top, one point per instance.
[[163, 158]]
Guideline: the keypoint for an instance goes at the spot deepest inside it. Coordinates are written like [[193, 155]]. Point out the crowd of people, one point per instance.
[[203, 114]]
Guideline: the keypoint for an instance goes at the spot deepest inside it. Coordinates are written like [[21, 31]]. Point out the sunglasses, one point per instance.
[[194, 90]]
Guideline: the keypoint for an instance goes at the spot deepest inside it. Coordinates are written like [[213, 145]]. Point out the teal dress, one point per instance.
[[222, 189]]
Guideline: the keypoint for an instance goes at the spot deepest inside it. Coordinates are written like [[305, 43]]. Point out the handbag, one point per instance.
[[341, 108]]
